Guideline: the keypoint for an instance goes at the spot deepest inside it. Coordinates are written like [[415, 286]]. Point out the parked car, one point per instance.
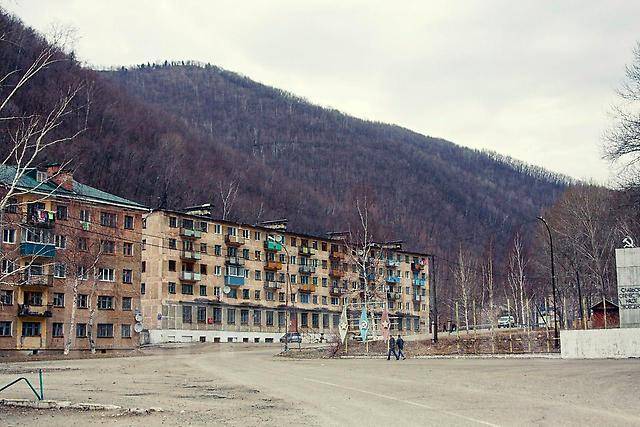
[[506, 322], [291, 337]]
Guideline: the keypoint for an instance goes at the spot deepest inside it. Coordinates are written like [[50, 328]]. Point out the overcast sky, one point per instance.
[[530, 79]]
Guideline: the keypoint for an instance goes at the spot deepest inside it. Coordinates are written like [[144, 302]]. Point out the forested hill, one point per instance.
[[168, 135]]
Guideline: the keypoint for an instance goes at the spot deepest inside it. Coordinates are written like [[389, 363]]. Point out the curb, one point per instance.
[[467, 356], [64, 404]]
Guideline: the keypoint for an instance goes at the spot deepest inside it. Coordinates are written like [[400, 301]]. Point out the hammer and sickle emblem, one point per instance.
[[628, 242]]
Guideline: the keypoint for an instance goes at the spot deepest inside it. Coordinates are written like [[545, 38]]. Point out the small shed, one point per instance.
[[598, 311]]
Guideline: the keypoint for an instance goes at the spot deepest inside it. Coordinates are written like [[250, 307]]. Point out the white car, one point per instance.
[[506, 322]]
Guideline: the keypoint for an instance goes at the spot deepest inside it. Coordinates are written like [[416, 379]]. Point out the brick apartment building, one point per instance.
[[60, 235], [211, 280]]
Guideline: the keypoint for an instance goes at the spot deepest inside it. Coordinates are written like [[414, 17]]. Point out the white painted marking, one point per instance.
[[408, 402]]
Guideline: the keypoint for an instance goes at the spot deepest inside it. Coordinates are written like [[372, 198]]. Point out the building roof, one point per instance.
[[599, 306], [80, 191]]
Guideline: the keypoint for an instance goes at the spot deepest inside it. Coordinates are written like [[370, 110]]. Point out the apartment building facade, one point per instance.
[[70, 265], [211, 280]]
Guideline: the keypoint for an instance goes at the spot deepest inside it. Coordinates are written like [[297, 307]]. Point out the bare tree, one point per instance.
[[466, 282], [228, 192], [516, 278]]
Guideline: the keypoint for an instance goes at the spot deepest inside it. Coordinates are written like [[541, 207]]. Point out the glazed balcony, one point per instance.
[[336, 272], [190, 233], [419, 298], [306, 269], [189, 276], [234, 260], [306, 288], [393, 263], [234, 280], [306, 251], [46, 250], [394, 295], [29, 279], [26, 310], [337, 291], [272, 246], [233, 240], [272, 285], [418, 266], [420, 282], [337, 255], [190, 255], [393, 279], [273, 265]]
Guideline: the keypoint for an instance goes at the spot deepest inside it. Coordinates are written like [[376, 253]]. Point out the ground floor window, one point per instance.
[[125, 331], [31, 329], [244, 317], [5, 329], [325, 320], [257, 317], [57, 330], [105, 330], [282, 318], [416, 324], [269, 318], [315, 320], [336, 320], [81, 330], [187, 314], [217, 315], [231, 316], [202, 314], [304, 320]]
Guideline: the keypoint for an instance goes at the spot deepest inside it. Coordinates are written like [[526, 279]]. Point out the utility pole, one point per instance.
[[434, 295], [582, 320], [556, 335]]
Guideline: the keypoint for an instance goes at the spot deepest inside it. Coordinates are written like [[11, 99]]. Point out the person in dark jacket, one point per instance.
[[400, 345], [392, 349]]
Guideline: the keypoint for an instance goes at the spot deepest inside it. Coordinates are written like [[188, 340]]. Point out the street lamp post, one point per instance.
[[553, 285]]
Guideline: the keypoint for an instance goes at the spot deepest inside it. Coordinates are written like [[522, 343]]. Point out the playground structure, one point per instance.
[[39, 396]]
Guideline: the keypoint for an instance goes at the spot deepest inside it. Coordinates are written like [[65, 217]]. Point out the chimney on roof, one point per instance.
[[60, 177]]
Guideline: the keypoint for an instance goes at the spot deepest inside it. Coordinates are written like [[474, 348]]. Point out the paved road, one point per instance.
[[358, 392]]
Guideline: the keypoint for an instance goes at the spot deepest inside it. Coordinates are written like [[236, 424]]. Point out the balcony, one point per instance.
[[272, 246], [418, 266], [271, 285], [189, 276], [306, 288], [30, 279], [26, 310], [419, 298], [393, 279], [337, 291], [234, 240], [47, 250], [336, 255], [420, 282], [394, 295], [306, 251], [191, 255], [190, 233], [336, 272], [40, 218], [393, 263], [234, 280], [273, 265], [306, 269], [234, 260]]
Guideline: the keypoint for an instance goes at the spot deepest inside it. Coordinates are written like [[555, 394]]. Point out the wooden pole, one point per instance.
[[604, 307], [475, 320]]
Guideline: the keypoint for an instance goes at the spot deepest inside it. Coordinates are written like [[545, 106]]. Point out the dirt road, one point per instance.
[[242, 384]]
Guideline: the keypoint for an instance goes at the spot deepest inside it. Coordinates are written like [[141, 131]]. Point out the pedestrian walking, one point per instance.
[[400, 345], [392, 349]]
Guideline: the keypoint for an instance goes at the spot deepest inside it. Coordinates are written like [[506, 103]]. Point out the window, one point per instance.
[[203, 269], [81, 330], [60, 241], [83, 244], [245, 234], [293, 242], [269, 318], [56, 330], [59, 270], [127, 276], [105, 302], [245, 253], [173, 222], [143, 267], [203, 248], [9, 235], [281, 296], [31, 329], [187, 289], [83, 301], [203, 290], [282, 318], [172, 265], [334, 301], [5, 329], [256, 295], [217, 228], [258, 275], [58, 299], [187, 223], [325, 320], [216, 291], [217, 270], [315, 320], [127, 249], [171, 288], [304, 320], [143, 245], [292, 279], [245, 294], [8, 266], [257, 317], [128, 222], [6, 297], [304, 298], [187, 314], [336, 320], [231, 316], [33, 298], [324, 300], [85, 215], [105, 330], [217, 250], [11, 206], [108, 246], [324, 282], [217, 315], [258, 255], [257, 235], [62, 213], [172, 244], [202, 314], [108, 219], [126, 303], [143, 289], [244, 317], [270, 296], [125, 331], [106, 274], [315, 299]]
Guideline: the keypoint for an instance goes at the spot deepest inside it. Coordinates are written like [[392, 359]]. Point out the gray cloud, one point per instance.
[[531, 79]]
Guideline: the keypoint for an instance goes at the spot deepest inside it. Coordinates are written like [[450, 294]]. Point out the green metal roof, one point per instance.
[[28, 181]]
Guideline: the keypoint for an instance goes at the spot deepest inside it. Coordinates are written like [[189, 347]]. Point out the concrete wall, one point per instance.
[[158, 336], [628, 271], [600, 343]]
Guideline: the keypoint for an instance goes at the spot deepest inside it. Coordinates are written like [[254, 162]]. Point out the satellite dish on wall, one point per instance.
[[137, 327], [138, 317], [278, 238], [226, 290]]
